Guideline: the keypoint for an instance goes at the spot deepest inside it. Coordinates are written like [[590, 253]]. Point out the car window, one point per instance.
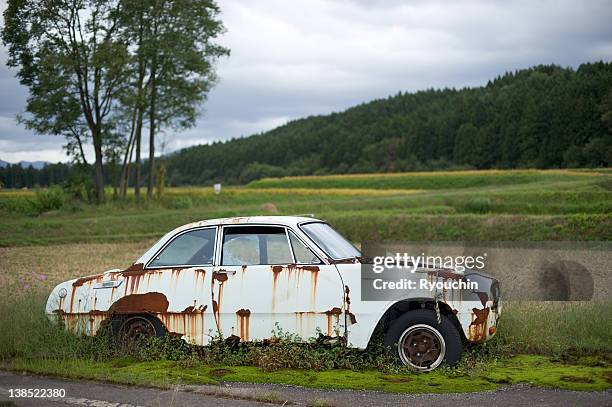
[[332, 242], [253, 245], [192, 248], [303, 255]]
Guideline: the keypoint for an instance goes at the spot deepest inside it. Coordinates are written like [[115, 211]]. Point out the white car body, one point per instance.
[[252, 302]]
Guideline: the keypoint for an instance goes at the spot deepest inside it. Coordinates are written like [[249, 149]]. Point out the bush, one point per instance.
[[49, 199], [182, 202], [478, 205]]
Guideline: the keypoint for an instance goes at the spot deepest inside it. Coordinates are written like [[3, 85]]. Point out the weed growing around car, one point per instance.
[[574, 354]]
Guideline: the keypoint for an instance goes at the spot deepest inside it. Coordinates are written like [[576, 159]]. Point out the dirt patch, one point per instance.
[[219, 373], [269, 207], [577, 379], [397, 379]]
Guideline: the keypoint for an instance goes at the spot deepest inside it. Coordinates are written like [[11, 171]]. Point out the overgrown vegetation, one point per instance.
[[575, 354]]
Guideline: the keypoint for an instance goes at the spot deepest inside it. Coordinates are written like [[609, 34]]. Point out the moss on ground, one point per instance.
[[583, 375]]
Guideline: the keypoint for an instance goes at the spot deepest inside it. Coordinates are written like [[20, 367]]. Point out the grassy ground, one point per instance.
[[426, 180], [551, 344], [535, 370], [564, 345]]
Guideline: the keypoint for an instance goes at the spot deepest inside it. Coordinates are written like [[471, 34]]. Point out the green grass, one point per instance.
[[554, 205], [424, 180], [562, 345], [535, 370], [559, 345]]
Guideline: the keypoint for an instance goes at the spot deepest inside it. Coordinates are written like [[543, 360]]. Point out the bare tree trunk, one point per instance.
[[140, 105], [97, 142], [125, 167], [137, 161], [152, 108]]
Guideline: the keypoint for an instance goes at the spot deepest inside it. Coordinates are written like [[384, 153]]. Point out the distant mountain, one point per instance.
[[25, 164], [36, 164], [544, 117]]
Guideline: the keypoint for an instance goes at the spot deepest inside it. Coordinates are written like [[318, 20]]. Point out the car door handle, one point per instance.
[[224, 271]]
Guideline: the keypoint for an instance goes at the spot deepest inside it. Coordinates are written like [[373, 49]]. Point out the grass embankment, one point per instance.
[[425, 180], [552, 205]]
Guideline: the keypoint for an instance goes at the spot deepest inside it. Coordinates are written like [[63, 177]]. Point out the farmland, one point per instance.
[[486, 205], [42, 244]]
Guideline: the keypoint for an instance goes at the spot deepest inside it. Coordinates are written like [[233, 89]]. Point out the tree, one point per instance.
[[180, 55], [172, 69], [69, 56]]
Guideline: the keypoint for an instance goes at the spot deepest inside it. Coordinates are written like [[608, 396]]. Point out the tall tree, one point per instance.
[[68, 55], [134, 23], [180, 53]]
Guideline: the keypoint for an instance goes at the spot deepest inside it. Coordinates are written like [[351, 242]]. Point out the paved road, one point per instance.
[[83, 393]]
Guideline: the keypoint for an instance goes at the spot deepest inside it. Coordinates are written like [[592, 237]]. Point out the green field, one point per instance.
[[487, 205], [567, 345]]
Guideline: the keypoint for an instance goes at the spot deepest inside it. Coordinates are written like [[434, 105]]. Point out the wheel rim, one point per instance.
[[135, 329], [421, 347]]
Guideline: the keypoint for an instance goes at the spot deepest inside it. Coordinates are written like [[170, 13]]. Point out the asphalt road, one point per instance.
[[84, 393]]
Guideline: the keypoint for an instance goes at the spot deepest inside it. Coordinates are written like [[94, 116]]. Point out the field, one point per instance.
[[567, 345], [538, 205]]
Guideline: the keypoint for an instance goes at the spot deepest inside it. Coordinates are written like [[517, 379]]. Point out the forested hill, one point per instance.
[[544, 117]]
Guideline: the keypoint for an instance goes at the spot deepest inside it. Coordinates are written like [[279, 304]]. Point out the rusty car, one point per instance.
[[247, 277]]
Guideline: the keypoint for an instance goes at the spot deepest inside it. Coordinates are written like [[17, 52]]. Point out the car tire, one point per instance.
[[129, 329], [418, 341]]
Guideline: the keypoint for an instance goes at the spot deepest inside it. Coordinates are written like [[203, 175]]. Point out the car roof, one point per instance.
[[241, 220]]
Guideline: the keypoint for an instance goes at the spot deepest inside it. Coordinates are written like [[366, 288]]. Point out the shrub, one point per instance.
[[49, 199], [477, 205], [182, 202]]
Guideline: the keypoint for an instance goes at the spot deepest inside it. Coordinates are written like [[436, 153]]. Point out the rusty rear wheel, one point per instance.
[[418, 341], [134, 329]]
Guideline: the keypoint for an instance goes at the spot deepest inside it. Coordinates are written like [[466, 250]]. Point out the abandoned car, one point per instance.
[[246, 278]]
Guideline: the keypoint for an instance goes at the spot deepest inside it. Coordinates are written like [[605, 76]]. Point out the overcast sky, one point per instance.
[[291, 59]]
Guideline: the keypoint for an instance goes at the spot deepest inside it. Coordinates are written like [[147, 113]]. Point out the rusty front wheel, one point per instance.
[[421, 347], [418, 341]]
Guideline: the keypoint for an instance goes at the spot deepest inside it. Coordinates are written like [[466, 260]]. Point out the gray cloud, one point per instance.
[[299, 58]]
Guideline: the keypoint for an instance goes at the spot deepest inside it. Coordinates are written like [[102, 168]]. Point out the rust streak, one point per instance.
[[478, 326], [276, 270], [334, 312], [483, 298], [134, 270], [244, 317], [80, 281], [314, 277]]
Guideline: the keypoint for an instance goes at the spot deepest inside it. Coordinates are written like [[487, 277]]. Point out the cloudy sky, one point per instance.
[[292, 59]]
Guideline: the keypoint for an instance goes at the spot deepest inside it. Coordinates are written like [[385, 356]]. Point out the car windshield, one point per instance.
[[332, 242]]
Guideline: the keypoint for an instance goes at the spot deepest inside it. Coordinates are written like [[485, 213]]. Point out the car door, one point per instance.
[[259, 289], [178, 278]]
